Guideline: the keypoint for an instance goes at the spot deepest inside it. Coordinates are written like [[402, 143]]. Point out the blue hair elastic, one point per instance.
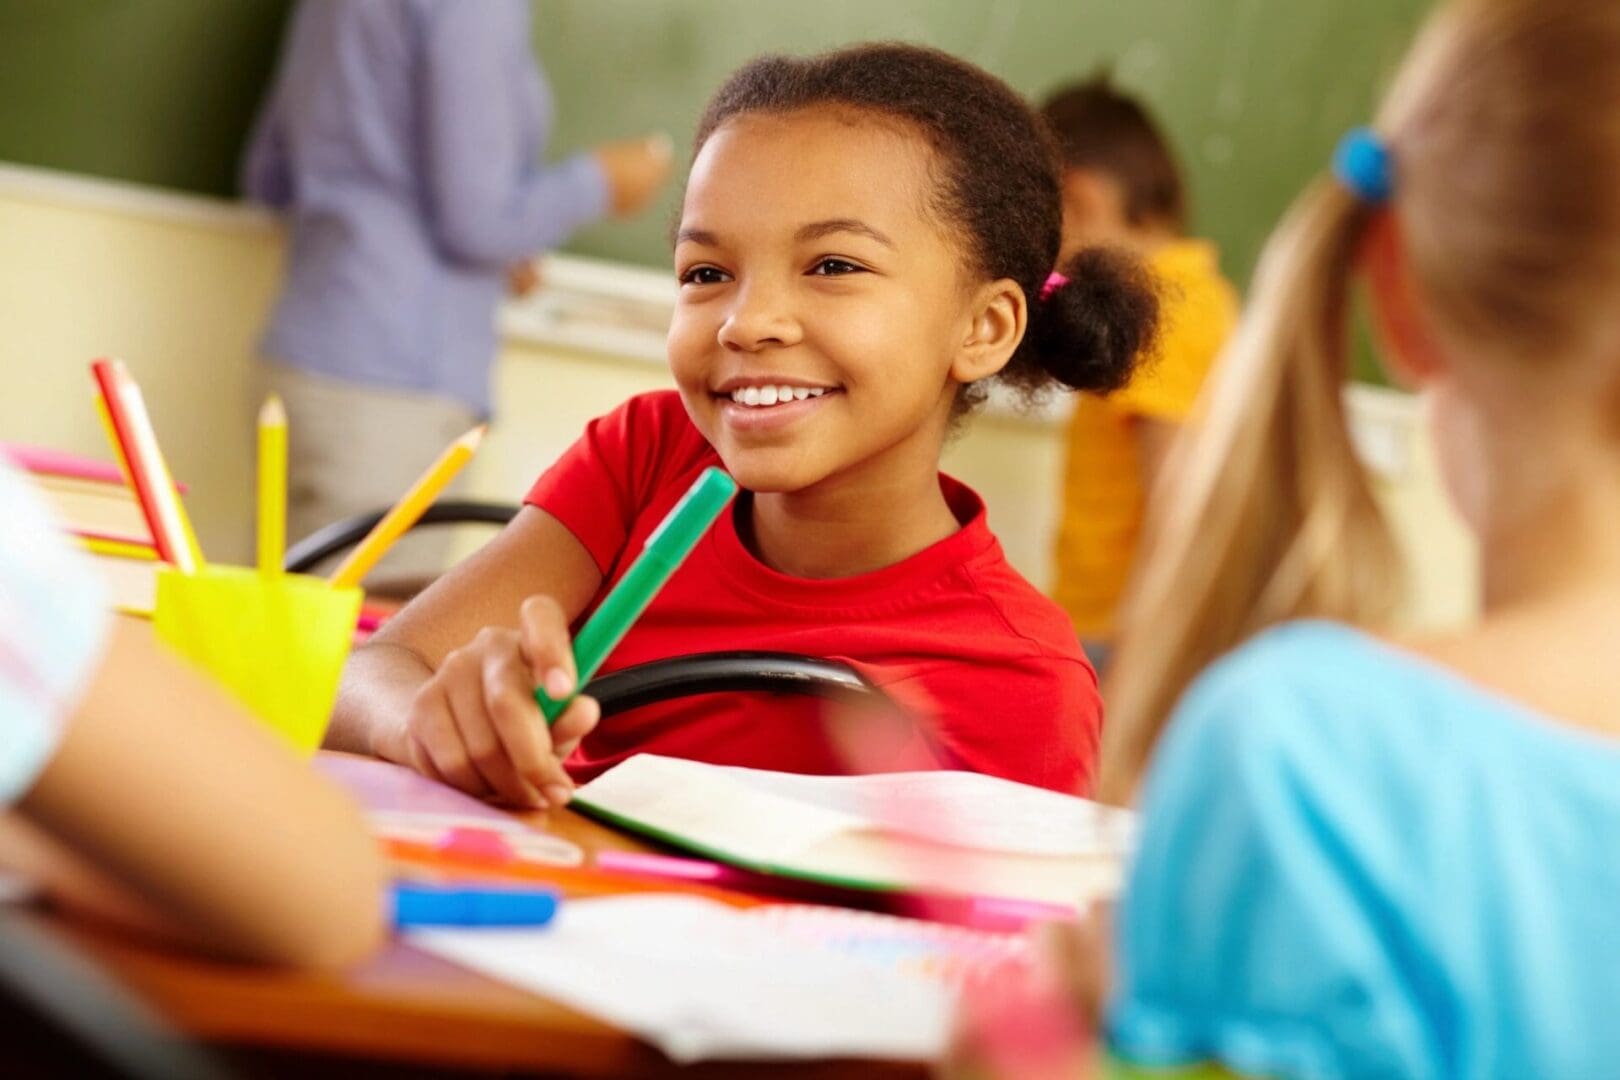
[[1362, 164]]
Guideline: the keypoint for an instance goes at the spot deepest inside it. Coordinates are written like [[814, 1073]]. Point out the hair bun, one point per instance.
[[1090, 331]]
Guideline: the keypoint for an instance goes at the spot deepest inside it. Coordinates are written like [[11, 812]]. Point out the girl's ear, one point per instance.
[[1407, 348], [1000, 315]]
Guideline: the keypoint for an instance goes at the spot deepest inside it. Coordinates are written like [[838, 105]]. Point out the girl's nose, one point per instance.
[[760, 317]]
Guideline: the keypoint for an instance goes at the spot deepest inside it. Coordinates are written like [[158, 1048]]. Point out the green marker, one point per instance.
[[666, 549]]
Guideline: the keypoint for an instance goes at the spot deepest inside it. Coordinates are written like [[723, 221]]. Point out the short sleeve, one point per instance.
[[52, 622], [1258, 929], [606, 478]]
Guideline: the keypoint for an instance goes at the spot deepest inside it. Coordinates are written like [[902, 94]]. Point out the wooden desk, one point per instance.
[[403, 1008]]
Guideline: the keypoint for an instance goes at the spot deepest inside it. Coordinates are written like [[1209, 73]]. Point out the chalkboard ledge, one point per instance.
[[587, 305], [54, 188], [613, 309]]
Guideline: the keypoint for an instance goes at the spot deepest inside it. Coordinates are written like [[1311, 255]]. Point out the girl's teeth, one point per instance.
[[765, 396]]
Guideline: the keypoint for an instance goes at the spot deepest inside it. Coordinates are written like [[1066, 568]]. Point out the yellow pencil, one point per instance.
[[272, 485], [112, 440], [122, 549], [412, 505]]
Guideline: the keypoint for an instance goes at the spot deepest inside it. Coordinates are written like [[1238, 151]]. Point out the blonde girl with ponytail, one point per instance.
[[1367, 853]]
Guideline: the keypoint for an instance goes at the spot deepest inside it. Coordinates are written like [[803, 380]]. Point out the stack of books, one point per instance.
[[96, 507]]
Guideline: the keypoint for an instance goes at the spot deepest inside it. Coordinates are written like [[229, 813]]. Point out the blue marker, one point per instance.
[[418, 905]]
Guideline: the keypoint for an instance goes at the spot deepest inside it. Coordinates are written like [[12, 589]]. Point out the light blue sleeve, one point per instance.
[[266, 172], [491, 205], [1265, 925], [52, 622]]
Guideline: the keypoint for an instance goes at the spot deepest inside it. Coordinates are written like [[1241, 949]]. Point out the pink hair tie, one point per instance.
[[1054, 281]]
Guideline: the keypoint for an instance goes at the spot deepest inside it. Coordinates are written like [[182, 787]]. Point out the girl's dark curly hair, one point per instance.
[[998, 188]]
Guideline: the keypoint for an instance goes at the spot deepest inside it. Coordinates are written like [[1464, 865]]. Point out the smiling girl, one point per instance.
[[867, 238]]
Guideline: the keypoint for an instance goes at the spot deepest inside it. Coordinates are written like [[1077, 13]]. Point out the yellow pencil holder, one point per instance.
[[277, 642]]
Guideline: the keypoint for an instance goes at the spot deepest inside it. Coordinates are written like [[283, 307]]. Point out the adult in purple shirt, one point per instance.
[[402, 139]]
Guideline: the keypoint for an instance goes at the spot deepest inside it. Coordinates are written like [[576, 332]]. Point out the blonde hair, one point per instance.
[[1504, 125]]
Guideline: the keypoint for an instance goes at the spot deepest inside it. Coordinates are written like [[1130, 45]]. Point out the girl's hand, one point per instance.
[[1036, 1024], [476, 726], [1081, 953]]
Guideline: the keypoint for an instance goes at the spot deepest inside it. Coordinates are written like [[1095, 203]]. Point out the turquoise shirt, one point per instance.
[[52, 620], [1356, 864]]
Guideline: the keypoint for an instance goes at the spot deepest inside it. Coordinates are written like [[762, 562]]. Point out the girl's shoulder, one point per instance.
[[654, 431], [1329, 704], [661, 416], [1331, 830], [1327, 667]]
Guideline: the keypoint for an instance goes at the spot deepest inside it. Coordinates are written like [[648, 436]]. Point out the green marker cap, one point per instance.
[[684, 526]]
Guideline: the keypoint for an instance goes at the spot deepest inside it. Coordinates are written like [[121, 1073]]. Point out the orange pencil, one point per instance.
[[411, 506], [575, 881]]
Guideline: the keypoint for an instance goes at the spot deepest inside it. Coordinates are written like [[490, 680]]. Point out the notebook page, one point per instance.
[[704, 805], [882, 857], [953, 955], [702, 981], [961, 809]]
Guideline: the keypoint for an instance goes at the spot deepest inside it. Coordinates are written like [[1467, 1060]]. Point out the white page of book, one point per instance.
[[703, 981], [884, 860], [764, 814], [703, 804], [960, 809]]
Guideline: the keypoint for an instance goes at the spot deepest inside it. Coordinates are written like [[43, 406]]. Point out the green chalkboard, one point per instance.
[[1254, 92], [155, 91]]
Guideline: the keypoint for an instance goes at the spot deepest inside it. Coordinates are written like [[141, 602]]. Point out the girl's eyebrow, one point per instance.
[[813, 231], [697, 236], [817, 229]]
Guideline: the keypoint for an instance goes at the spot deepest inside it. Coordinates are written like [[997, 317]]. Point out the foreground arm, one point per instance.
[[168, 809]]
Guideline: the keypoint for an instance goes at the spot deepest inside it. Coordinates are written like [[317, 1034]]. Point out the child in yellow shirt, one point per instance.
[[1121, 188]]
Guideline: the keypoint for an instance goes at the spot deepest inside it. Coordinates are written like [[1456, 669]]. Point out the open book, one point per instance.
[[947, 832]]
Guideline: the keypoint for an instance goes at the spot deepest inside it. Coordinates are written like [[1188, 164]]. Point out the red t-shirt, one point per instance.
[[953, 633]]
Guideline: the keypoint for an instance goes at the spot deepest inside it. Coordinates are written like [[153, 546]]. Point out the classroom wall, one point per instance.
[[179, 296], [179, 285], [1253, 92]]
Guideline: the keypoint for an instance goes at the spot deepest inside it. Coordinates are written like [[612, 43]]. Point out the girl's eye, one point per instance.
[[835, 268], [703, 275]]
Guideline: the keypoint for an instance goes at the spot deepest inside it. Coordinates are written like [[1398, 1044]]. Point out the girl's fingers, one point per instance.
[[547, 648], [479, 727], [564, 735], [434, 731], [422, 762], [465, 692], [518, 724], [578, 721], [1077, 954]]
